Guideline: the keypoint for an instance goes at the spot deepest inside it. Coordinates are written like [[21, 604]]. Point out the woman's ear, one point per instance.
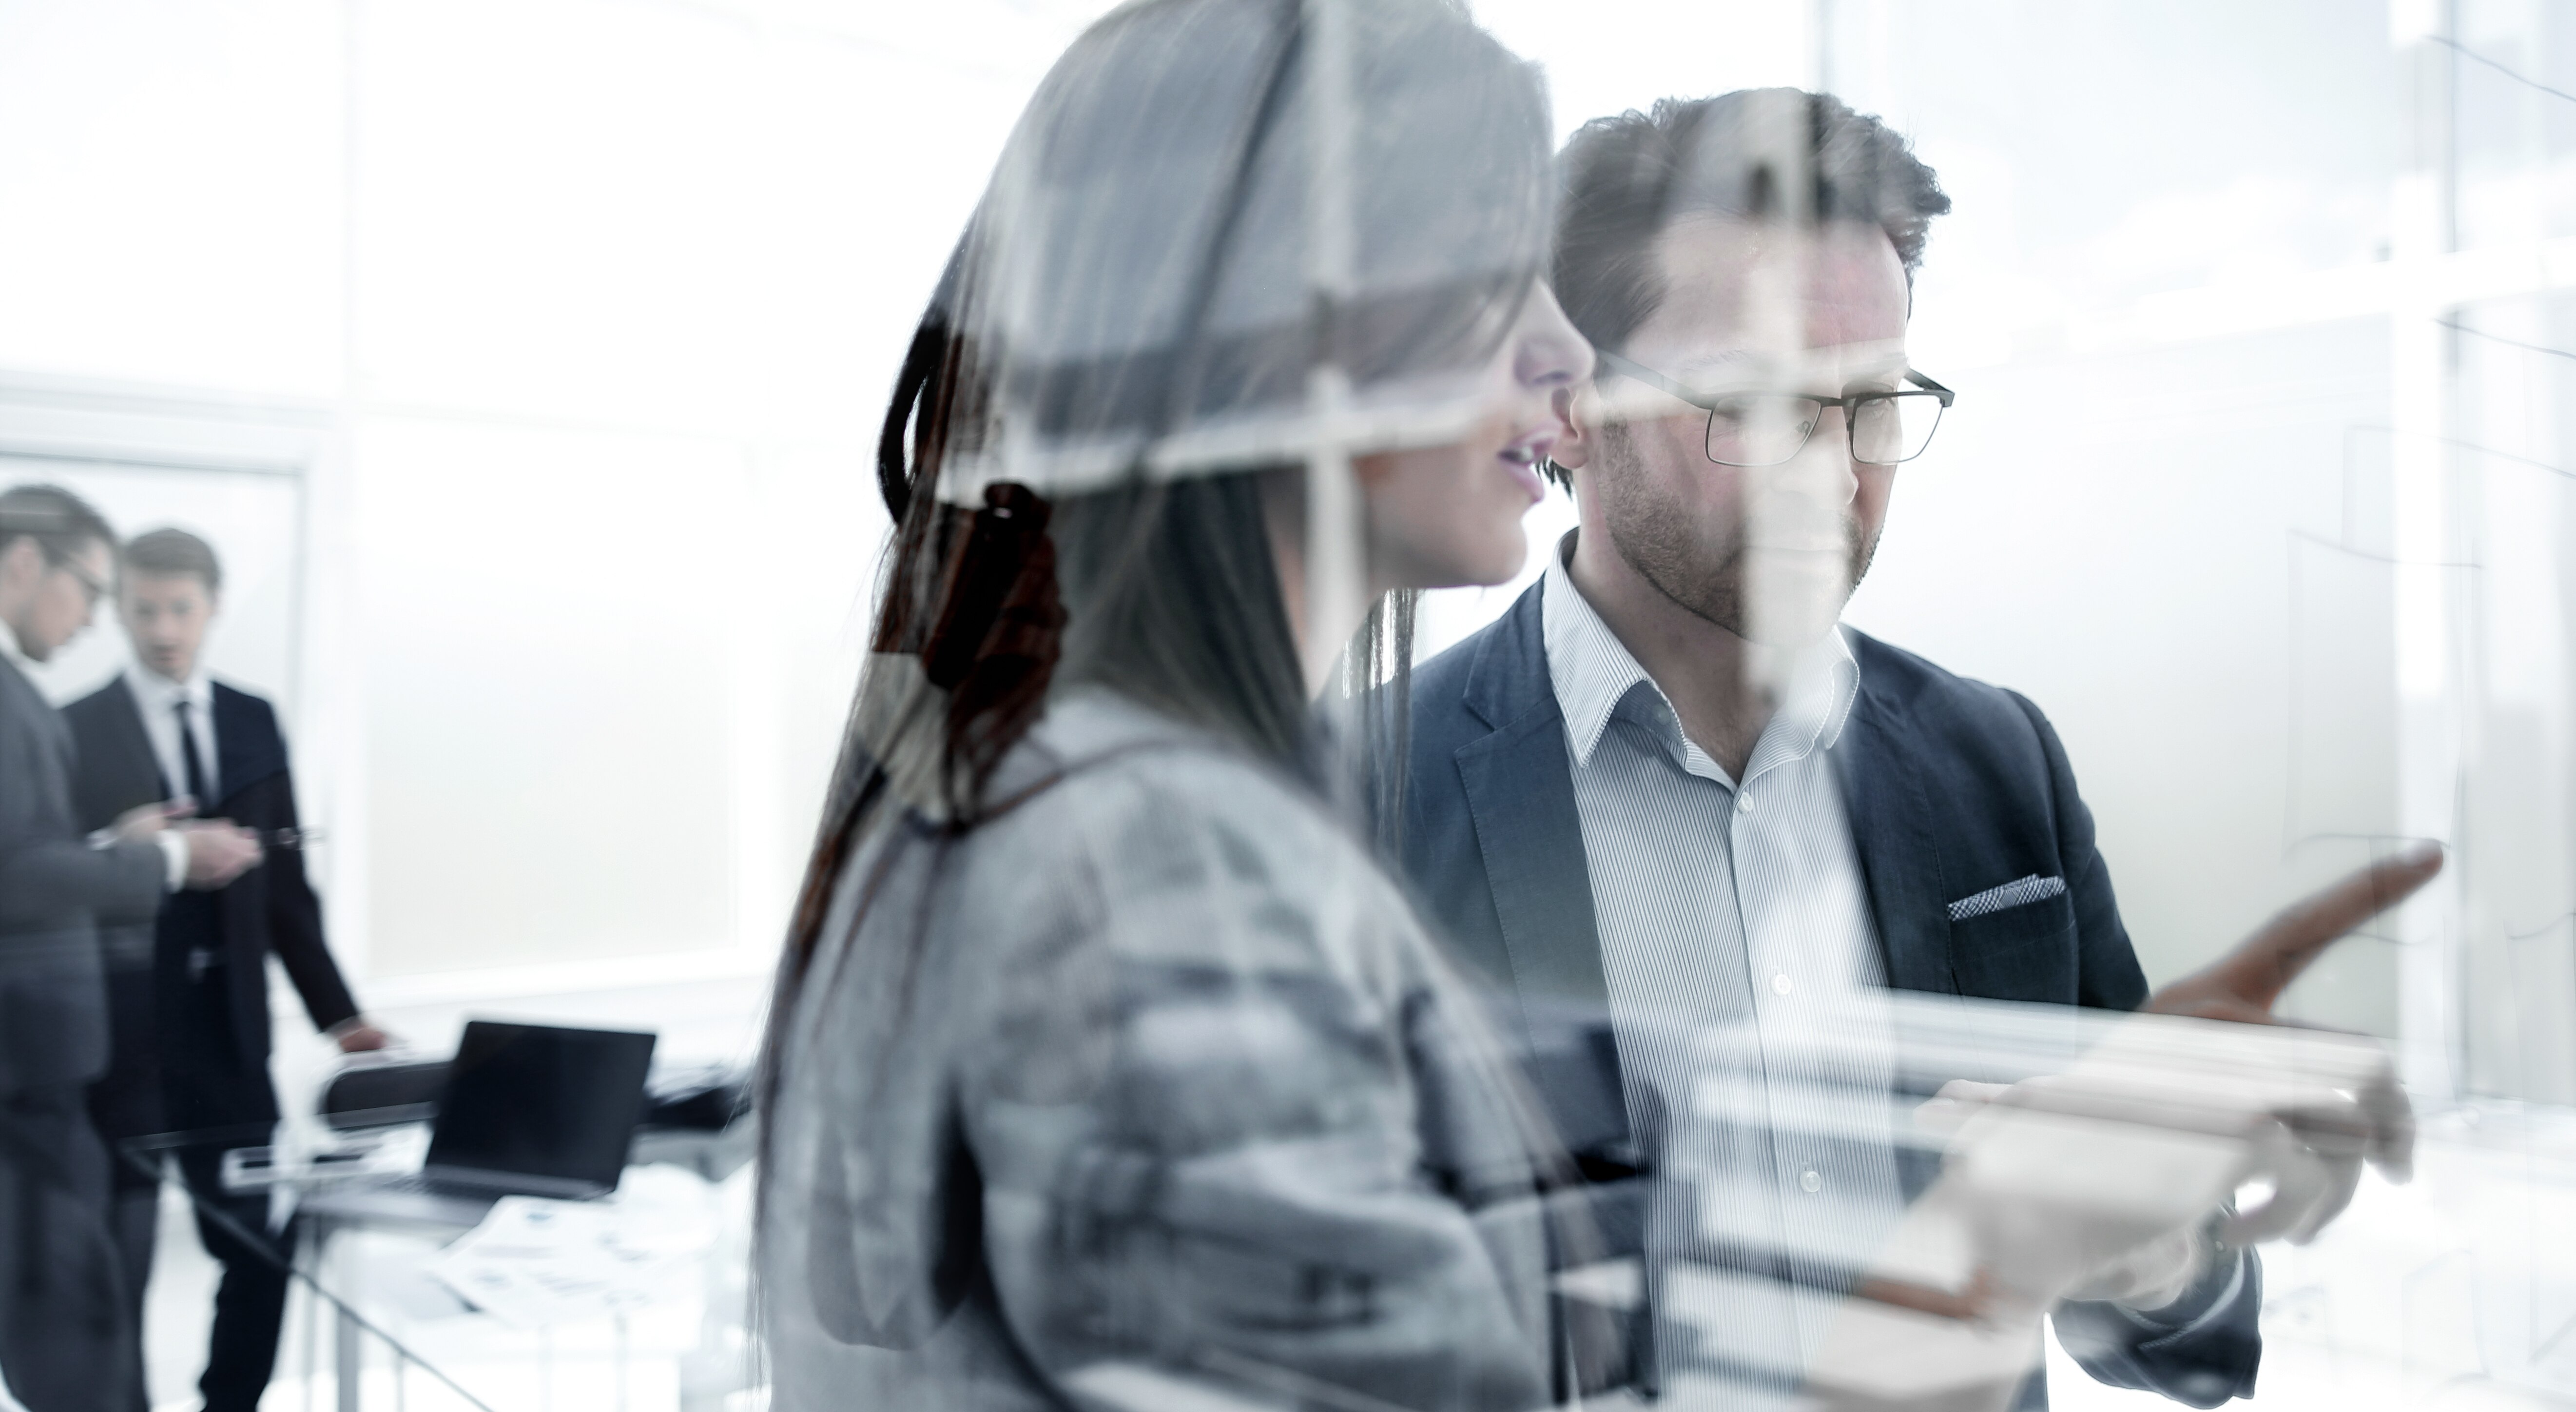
[[1577, 407]]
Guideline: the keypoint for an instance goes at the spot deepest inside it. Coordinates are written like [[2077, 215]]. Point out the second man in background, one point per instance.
[[188, 995]]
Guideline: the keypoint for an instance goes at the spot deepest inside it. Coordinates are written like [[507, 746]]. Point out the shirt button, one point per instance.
[[1809, 1181], [1744, 801], [1780, 983]]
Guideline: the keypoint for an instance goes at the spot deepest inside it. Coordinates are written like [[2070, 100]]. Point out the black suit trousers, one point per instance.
[[250, 1304], [68, 1341], [204, 1086]]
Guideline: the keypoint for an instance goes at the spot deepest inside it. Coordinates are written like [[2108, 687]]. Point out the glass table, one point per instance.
[[636, 1302]]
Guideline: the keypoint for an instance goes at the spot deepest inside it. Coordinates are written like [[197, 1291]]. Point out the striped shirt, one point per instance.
[[1739, 948]]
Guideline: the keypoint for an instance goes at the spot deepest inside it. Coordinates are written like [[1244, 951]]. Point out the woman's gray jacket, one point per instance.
[[1149, 1088]]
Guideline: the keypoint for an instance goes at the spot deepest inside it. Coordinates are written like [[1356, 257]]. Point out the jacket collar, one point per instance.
[[1508, 678], [1594, 676], [153, 691], [1890, 806], [1520, 790], [1520, 798]]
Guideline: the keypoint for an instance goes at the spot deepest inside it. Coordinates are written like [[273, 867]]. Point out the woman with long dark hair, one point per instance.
[[1107, 1067]]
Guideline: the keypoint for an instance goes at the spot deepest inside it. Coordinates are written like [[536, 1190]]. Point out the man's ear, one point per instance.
[[22, 561], [1578, 408]]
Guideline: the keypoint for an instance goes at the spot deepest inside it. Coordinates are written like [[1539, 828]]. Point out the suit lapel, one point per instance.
[[1893, 832], [38, 708], [130, 743], [1520, 795], [247, 748], [1519, 785]]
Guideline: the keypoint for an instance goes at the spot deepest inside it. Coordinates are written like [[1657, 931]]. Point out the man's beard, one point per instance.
[[1657, 536]]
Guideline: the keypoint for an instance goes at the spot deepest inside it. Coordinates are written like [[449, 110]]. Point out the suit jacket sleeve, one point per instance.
[[2205, 1348], [48, 873], [295, 927]]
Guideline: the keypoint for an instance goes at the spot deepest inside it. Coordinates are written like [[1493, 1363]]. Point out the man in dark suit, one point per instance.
[[188, 990], [1666, 783], [67, 1330]]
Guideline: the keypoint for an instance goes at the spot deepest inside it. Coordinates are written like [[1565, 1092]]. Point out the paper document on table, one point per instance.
[[535, 1262]]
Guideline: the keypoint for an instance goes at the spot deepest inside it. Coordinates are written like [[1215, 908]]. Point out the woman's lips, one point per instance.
[[1521, 458]]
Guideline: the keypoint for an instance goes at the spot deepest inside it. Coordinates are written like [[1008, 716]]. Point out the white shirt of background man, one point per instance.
[[157, 698]]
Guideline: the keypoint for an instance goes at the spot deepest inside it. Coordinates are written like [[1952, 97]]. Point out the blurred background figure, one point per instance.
[[67, 1325], [188, 991]]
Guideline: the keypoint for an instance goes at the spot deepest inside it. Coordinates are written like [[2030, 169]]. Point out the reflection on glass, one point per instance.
[[1689, 981]]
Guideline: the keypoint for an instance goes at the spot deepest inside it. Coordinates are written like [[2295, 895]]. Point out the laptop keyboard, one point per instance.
[[418, 1184]]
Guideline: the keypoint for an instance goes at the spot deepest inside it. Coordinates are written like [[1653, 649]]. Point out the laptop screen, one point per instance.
[[539, 1101]]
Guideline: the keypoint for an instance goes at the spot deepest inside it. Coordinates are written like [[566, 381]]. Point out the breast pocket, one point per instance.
[[2015, 941]]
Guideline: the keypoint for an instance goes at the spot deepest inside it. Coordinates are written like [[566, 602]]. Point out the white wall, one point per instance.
[[603, 297]]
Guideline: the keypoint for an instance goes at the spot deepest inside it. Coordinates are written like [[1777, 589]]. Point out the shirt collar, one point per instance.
[[1594, 674], [155, 690], [1591, 670]]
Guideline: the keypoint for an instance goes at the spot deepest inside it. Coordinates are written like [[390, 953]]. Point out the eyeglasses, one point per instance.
[[1769, 428], [90, 586]]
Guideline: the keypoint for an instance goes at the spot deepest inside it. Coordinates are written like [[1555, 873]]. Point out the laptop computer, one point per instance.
[[527, 1110]]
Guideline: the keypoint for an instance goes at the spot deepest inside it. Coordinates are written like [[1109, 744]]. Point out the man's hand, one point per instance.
[[144, 822], [2244, 984], [2157, 1125], [219, 852], [2097, 1181], [356, 1035]]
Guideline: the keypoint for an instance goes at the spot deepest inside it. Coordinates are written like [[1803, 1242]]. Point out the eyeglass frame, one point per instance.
[[1630, 368], [98, 592]]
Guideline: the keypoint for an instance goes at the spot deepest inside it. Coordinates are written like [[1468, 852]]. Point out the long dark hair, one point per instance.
[[1162, 586], [1154, 582]]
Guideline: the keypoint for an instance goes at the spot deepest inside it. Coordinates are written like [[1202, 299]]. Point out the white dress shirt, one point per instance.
[[156, 697], [1742, 961]]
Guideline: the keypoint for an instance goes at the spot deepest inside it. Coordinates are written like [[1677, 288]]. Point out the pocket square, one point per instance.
[[2019, 892]]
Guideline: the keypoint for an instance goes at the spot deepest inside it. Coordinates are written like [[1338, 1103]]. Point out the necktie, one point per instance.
[[197, 782], [201, 958]]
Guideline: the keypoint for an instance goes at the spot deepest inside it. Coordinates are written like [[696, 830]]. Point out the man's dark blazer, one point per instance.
[[1952, 787], [270, 909], [55, 892], [66, 1341]]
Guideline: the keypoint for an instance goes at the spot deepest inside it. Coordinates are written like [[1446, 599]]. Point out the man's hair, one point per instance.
[[1622, 180], [171, 552], [59, 521]]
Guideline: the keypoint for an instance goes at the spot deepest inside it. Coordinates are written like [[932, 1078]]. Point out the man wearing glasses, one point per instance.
[[66, 1336], [1669, 789]]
